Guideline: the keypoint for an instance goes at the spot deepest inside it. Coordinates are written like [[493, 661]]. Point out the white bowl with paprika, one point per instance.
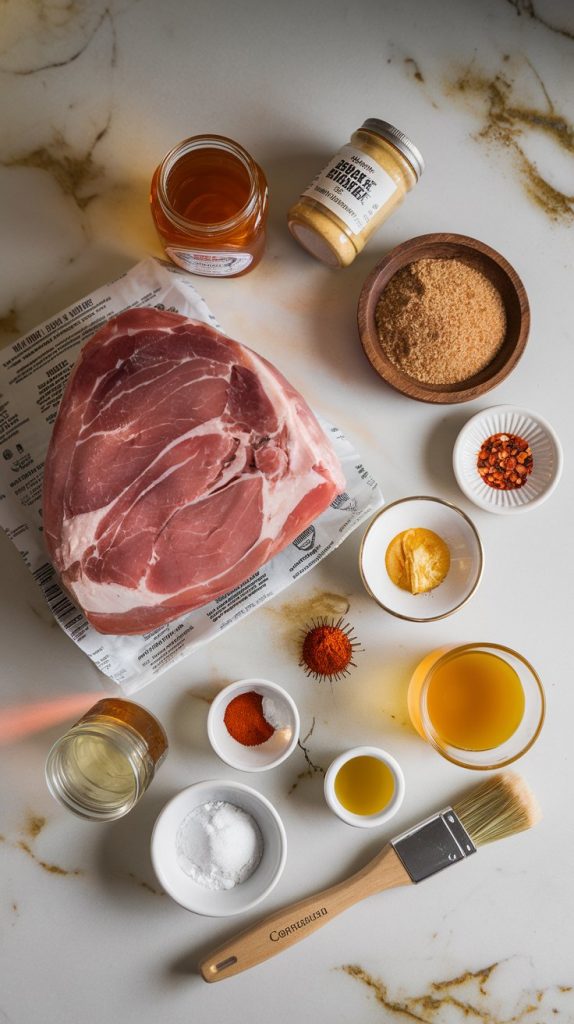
[[253, 725]]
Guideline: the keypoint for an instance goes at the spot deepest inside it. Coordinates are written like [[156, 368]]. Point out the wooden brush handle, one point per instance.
[[285, 927]]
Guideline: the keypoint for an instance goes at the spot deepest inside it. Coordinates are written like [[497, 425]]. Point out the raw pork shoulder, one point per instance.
[[180, 462]]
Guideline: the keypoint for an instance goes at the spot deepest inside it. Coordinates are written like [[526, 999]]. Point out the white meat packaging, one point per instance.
[[34, 373]]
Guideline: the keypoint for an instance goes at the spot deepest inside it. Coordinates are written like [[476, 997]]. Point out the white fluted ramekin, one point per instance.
[[546, 459]]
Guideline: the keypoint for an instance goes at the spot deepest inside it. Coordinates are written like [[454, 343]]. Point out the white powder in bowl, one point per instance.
[[272, 713], [219, 845]]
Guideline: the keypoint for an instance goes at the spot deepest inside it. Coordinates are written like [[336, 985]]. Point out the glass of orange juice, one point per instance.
[[480, 705]]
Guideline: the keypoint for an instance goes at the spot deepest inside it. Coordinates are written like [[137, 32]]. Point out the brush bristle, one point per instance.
[[500, 807]]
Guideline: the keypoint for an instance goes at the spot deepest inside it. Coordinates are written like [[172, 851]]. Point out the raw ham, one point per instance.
[[180, 462]]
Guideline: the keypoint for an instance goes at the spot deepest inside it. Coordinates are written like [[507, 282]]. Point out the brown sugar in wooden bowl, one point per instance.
[[494, 267]]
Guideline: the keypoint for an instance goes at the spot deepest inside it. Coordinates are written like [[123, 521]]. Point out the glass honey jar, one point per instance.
[[209, 203], [102, 766], [355, 192]]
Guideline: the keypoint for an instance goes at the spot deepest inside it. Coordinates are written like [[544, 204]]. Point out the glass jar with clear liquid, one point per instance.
[[102, 766]]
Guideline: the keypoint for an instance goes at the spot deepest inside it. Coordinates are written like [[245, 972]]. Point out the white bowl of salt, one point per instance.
[[218, 848]]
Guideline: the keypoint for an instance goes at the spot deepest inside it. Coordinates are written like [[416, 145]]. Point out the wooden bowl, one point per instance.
[[495, 268]]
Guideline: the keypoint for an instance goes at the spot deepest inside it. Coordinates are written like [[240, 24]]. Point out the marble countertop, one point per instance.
[[92, 95]]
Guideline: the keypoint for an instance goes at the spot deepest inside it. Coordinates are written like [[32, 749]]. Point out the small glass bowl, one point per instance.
[[496, 757]]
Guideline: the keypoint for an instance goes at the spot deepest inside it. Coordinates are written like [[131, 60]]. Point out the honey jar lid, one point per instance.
[[399, 139]]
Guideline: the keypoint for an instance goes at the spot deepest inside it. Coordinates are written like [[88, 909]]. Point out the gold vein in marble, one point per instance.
[[430, 1007], [414, 68], [145, 885], [50, 65], [53, 869], [507, 121], [34, 825], [72, 173], [527, 8]]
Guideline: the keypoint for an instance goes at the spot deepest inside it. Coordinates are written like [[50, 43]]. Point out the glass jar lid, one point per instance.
[[399, 139]]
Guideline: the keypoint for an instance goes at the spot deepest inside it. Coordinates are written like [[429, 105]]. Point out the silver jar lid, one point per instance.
[[403, 144]]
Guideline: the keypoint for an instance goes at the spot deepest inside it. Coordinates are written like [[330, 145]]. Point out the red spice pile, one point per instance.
[[505, 461], [245, 720], [327, 649]]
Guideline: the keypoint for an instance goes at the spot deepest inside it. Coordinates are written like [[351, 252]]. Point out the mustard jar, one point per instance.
[[355, 192]]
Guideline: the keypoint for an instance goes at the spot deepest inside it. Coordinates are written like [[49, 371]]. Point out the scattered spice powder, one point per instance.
[[505, 461], [327, 649], [245, 720], [441, 321]]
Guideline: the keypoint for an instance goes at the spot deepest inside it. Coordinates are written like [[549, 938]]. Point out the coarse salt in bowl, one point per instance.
[[546, 459], [181, 886], [266, 755]]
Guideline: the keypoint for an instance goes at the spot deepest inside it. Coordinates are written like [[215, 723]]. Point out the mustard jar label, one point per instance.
[[353, 186]]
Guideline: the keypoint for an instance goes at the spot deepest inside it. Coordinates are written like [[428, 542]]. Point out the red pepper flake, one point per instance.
[[505, 461]]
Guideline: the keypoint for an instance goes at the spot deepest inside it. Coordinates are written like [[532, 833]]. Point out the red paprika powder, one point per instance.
[[327, 649], [245, 720]]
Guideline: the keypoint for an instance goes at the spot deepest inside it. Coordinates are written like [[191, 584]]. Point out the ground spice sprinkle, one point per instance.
[[327, 649], [441, 321]]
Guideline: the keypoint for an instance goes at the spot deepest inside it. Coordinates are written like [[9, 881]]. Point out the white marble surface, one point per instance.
[[92, 95]]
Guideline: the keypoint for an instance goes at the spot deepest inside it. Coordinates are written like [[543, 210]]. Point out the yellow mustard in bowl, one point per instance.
[[355, 192]]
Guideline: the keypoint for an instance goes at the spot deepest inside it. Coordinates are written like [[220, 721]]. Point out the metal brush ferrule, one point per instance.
[[433, 844]]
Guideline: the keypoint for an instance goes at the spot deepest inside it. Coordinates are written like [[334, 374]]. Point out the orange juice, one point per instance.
[[475, 701]]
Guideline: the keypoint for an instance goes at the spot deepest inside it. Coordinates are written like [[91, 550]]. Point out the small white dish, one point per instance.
[[466, 558], [266, 755], [224, 902], [546, 455], [365, 820]]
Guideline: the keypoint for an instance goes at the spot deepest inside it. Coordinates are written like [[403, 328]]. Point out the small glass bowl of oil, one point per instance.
[[365, 786], [481, 706]]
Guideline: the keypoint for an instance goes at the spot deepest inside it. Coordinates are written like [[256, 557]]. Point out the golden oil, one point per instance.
[[364, 785]]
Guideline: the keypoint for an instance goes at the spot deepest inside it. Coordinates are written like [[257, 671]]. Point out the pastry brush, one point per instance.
[[499, 807]]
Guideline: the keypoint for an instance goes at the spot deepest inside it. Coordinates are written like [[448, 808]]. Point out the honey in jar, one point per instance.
[[209, 204]]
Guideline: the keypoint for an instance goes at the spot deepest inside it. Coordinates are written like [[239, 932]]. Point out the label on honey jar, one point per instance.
[[353, 186], [210, 264]]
